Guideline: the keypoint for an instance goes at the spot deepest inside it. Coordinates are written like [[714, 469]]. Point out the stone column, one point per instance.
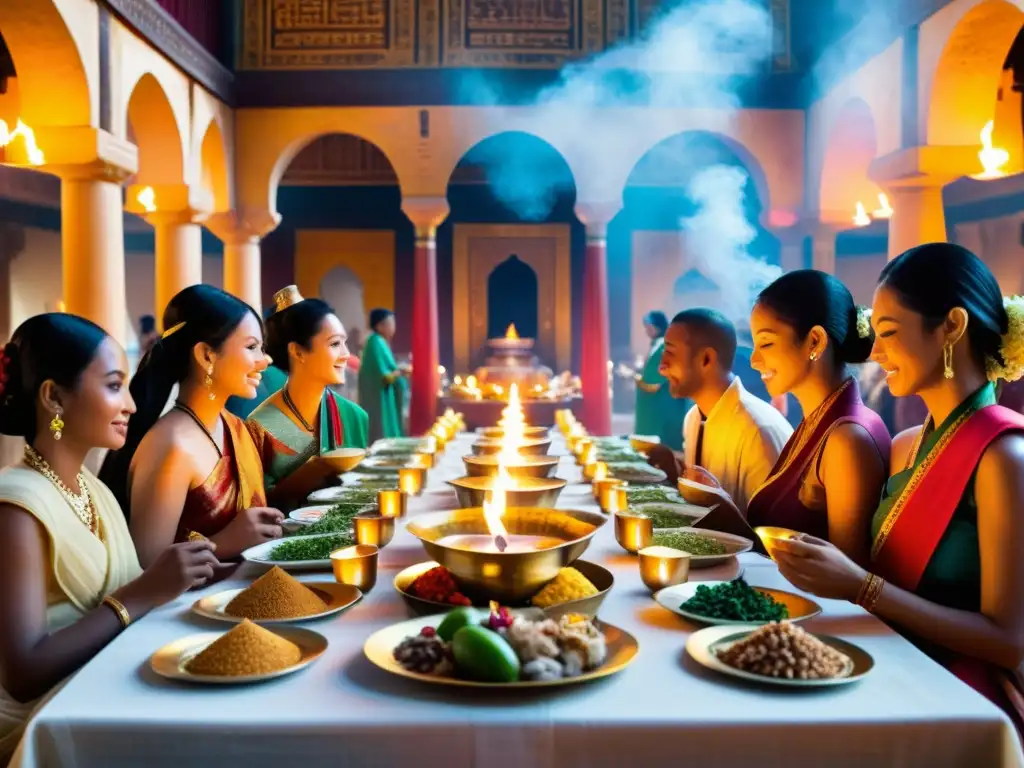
[[791, 246], [597, 406], [913, 179], [241, 232], [823, 248], [175, 213], [12, 242], [426, 214]]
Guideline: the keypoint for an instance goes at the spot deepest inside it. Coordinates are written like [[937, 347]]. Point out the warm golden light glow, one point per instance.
[[511, 333], [27, 135], [494, 507], [992, 158], [861, 218], [147, 199], [884, 210]]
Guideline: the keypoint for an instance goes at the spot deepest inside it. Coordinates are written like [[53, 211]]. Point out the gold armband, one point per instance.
[[118, 607]]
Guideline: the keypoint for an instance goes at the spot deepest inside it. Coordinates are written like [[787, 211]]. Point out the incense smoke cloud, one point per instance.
[[603, 111], [873, 26]]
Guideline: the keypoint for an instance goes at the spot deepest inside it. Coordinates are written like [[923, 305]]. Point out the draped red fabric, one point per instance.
[[200, 18]]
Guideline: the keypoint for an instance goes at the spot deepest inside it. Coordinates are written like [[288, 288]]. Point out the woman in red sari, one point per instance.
[[807, 330], [197, 469], [945, 563]]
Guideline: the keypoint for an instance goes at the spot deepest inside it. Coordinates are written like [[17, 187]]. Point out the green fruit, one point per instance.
[[483, 655], [455, 620]]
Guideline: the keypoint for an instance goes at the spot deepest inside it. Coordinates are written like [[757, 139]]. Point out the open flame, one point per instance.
[[513, 425], [510, 333], [32, 151], [884, 210], [147, 199], [861, 218], [494, 507], [992, 158]]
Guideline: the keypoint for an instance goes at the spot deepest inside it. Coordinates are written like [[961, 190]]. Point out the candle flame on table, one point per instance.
[[884, 210], [32, 151], [494, 508], [513, 425], [992, 158], [861, 218], [511, 333]]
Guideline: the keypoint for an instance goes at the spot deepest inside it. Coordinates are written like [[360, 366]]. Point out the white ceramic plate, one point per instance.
[[262, 555], [703, 647], [672, 598], [171, 660], [336, 494], [307, 515], [337, 596]]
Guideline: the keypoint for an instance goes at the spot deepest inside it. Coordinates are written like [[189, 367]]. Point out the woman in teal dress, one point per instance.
[[657, 412], [945, 566], [306, 418], [382, 386]]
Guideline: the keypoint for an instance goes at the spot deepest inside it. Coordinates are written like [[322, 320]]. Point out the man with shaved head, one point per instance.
[[732, 434]]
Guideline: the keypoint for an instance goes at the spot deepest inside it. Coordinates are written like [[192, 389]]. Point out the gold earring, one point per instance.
[[947, 361], [814, 356], [57, 426], [208, 383]]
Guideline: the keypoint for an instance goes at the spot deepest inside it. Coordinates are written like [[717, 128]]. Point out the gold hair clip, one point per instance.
[[169, 331], [286, 297]]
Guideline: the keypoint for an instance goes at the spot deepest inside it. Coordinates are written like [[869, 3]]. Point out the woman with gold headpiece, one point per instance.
[[945, 566], [70, 581], [306, 418], [196, 470]]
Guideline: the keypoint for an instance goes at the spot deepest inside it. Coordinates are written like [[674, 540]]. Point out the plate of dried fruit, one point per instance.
[[779, 654]]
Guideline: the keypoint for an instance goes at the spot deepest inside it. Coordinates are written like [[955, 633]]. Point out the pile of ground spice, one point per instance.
[[248, 649], [275, 595]]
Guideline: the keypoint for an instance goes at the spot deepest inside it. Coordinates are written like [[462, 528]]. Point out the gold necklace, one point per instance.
[[80, 503]]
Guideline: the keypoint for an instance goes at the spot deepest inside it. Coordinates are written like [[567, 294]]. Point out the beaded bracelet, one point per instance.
[[118, 607]]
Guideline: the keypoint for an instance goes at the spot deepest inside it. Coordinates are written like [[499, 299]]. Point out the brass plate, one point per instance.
[[170, 660], [704, 646], [671, 598], [600, 577], [379, 649], [337, 596]]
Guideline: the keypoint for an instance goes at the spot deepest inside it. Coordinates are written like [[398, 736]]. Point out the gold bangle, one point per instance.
[[871, 592], [864, 585], [118, 607]]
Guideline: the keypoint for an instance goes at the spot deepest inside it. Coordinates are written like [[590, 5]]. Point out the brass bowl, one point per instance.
[[530, 447], [770, 534], [496, 433], [508, 577], [525, 466], [597, 575], [644, 443], [343, 460], [528, 491]]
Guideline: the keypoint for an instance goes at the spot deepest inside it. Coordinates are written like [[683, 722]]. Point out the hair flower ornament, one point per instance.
[[863, 322], [1012, 348]]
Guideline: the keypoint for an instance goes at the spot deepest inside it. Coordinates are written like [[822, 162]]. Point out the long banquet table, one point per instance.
[[662, 710]]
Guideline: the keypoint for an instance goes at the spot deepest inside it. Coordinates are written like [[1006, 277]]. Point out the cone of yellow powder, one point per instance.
[[275, 595], [248, 649]]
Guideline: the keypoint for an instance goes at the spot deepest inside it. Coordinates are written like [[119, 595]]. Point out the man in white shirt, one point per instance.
[[732, 434]]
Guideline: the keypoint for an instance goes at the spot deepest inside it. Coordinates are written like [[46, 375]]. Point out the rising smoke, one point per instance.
[[602, 113]]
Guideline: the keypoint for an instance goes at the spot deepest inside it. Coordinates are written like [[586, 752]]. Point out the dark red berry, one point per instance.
[[428, 632]]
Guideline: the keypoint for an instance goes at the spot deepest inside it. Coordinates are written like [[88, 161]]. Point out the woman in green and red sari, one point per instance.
[[306, 418], [945, 564]]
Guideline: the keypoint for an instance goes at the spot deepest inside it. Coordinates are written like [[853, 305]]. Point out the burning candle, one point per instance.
[[411, 480], [606, 497], [633, 532], [373, 529], [391, 503], [662, 567], [356, 566]]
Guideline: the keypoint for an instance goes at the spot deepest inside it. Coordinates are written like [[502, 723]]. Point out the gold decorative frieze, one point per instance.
[[328, 34], [521, 33]]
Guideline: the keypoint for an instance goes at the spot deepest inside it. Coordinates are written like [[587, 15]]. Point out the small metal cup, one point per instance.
[[600, 485], [662, 567], [373, 529], [391, 503], [618, 499], [355, 566], [606, 496], [425, 460], [411, 480], [633, 532]]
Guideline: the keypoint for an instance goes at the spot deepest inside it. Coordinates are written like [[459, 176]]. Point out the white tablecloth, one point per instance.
[[662, 710]]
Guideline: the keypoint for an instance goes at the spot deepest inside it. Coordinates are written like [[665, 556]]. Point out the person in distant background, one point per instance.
[[147, 333], [382, 387], [657, 412]]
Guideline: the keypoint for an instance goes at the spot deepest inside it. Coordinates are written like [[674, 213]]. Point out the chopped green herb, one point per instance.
[[338, 519], [735, 601], [664, 516], [693, 543], [645, 494], [309, 547]]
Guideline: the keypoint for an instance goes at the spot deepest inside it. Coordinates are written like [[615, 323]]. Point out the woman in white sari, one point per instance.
[[70, 581]]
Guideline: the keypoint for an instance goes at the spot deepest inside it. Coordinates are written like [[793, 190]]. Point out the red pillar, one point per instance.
[[597, 407], [425, 214]]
